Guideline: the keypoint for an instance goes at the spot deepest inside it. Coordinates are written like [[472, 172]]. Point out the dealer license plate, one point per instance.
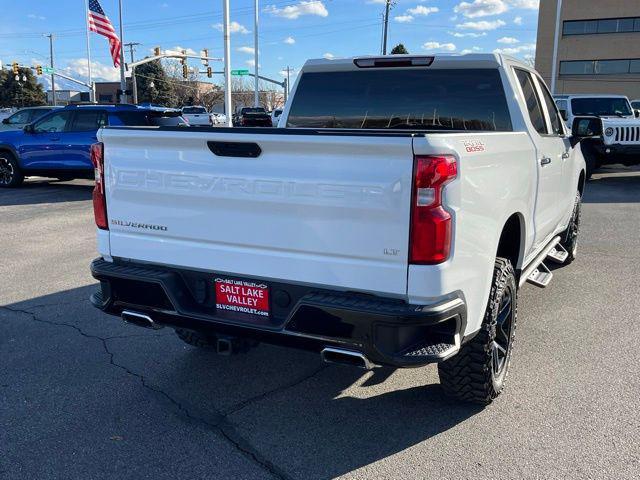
[[242, 296]]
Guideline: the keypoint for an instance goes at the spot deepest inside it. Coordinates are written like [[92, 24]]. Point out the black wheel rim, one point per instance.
[[6, 171], [502, 341]]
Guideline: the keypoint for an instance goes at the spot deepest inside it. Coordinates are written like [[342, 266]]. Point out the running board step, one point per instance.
[[558, 254], [541, 276]]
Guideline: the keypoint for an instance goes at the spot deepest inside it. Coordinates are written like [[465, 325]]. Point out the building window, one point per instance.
[[608, 25], [105, 98], [599, 67]]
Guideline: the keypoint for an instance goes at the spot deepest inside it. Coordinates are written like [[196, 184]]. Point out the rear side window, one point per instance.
[[147, 118], [438, 99], [89, 120], [532, 101]]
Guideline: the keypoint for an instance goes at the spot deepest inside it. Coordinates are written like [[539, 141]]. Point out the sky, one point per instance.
[[290, 31]]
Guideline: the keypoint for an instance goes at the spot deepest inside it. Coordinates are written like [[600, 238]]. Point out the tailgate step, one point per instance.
[[558, 254], [541, 276]]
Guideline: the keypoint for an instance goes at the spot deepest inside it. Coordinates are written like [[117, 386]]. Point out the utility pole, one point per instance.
[[134, 83], [387, 7], [92, 91], [227, 64], [556, 34], [256, 98], [53, 78], [123, 81]]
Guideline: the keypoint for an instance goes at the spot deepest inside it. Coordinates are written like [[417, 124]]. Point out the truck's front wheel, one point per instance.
[[478, 372]]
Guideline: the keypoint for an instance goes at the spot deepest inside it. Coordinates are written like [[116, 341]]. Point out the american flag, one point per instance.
[[100, 23]]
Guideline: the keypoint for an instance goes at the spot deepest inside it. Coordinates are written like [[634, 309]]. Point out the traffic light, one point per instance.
[[209, 72], [185, 71], [39, 69], [156, 51], [15, 67]]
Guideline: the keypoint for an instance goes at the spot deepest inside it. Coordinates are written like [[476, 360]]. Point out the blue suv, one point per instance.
[[58, 144]]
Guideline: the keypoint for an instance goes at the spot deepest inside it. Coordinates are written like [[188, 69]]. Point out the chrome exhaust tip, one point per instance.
[[345, 357], [139, 319]]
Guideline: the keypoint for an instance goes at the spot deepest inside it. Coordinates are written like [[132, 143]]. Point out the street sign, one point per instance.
[[47, 70], [239, 72]]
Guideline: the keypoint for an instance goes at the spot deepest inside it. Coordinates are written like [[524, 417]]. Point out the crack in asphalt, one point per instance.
[[220, 423]]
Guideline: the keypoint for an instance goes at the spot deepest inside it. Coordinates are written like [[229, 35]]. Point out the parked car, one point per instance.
[[252, 117], [620, 139], [197, 116], [275, 116], [389, 220], [218, 118], [22, 117], [58, 144]]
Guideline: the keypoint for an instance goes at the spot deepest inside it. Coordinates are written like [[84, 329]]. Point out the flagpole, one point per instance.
[[123, 82], [91, 92], [227, 64]]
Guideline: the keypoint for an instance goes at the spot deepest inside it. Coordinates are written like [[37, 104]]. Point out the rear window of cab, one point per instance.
[[436, 99]]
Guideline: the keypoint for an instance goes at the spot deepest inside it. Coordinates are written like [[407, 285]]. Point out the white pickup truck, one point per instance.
[[389, 220]]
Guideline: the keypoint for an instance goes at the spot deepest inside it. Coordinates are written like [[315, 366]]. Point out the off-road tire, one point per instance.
[[196, 339], [469, 376], [10, 174], [569, 238]]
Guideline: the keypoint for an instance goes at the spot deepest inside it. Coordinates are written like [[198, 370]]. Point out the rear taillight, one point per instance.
[[430, 236], [99, 196]]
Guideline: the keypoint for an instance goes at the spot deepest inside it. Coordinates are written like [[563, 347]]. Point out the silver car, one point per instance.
[[22, 117]]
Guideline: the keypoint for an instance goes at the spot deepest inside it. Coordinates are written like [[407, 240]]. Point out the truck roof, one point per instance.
[[470, 60]]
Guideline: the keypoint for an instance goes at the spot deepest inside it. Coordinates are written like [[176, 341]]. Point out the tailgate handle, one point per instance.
[[235, 149]]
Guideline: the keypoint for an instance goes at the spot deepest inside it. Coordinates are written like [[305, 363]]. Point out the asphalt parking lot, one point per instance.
[[84, 396]]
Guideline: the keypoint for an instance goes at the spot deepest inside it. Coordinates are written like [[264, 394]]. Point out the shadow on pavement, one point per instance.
[[614, 185], [283, 405], [34, 192]]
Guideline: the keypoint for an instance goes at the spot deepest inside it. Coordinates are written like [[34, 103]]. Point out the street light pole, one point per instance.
[[134, 81], [227, 63], [53, 78], [556, 34], [256, 99], [123, 81]]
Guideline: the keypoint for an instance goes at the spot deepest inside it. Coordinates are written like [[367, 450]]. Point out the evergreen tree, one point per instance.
[[162, 92], [21, 93], [399, 50]]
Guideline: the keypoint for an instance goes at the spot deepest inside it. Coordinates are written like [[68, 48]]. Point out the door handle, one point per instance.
[[565, 155], [545, 161]]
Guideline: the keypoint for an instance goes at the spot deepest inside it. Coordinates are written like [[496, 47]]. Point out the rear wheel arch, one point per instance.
[[511, 242]]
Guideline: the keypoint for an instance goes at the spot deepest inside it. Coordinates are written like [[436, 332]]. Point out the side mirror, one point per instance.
[[563, 114], [585, 127], [28, 128], [5, 121], [636, 113]]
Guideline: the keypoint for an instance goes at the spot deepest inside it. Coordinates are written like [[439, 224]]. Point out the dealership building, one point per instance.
[[598, 46]]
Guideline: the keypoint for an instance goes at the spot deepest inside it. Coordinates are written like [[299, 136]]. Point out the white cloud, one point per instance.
[[481, 8], [527, 47], [468, 34], [178, 49], [471, 50], [447, 47], [481, 25], [403, 18], [289, 40], [508, 40], [234, 27], [99, 71], [305, 7], [33, 16], [246, 49], [422, 10], [528, 4], [517, 20], [251, 63], [328, 56]]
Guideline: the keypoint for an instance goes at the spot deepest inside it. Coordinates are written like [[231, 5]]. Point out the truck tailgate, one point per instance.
[[318, 209]]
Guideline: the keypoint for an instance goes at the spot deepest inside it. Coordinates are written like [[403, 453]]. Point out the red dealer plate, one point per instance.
[[242, 297]]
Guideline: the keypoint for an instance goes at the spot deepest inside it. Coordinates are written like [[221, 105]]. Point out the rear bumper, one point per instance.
[[387, 331]]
